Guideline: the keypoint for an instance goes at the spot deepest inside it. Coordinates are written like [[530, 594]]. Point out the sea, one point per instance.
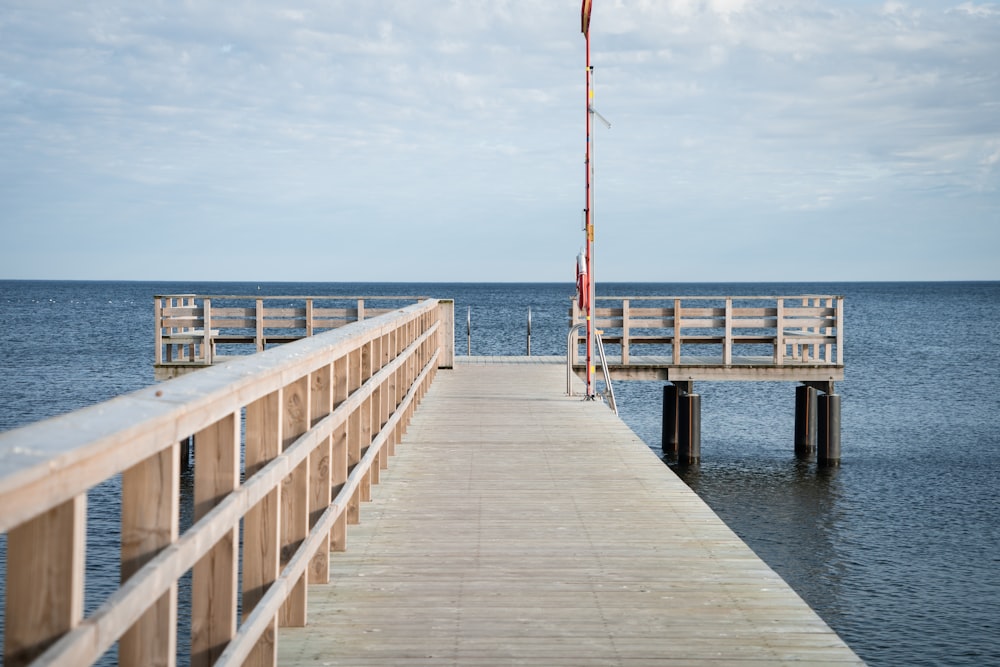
[[897, 549]]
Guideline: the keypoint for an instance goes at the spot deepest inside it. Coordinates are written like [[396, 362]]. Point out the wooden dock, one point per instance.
[[518, 525]]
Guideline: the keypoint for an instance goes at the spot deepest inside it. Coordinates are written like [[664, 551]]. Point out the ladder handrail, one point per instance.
[[609, 391], [571, 353]]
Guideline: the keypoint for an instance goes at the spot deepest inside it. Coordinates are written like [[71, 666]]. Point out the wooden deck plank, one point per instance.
[[517, 525]]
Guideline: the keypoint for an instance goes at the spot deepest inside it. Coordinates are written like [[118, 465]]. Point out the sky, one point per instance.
[[444, 140]]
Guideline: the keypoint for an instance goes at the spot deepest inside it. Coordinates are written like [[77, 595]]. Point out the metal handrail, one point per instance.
[[609, 391]]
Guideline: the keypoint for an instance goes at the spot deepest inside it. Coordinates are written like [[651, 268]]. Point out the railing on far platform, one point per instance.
[[189, 328], [795, 329]]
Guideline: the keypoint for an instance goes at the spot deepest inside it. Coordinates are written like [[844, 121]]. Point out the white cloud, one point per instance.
[[994, 157], [984, 10], [469, 115]]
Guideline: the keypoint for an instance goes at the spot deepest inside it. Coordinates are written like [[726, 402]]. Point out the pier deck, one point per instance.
[[516, 525]]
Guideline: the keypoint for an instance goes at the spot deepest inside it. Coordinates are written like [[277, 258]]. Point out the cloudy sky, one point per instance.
[[443, 140]]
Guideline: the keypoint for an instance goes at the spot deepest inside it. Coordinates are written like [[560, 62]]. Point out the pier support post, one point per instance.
[[689, 429], [805, 421], [668, 433], [828, 419]]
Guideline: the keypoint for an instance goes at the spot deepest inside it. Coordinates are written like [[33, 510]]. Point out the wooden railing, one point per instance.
[[317, 419], [794, 329], [190, 327]]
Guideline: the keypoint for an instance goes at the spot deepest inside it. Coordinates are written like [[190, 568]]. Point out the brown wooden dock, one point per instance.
[[518, 525]]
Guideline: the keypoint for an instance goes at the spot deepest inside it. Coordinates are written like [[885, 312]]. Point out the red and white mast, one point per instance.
[[589, 207]]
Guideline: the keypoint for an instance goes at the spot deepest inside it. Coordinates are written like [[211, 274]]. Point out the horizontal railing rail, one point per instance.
[[317, 421], [189, 328], [794, 329]]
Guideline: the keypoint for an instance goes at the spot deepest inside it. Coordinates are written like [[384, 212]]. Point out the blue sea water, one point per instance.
[[898, 549]]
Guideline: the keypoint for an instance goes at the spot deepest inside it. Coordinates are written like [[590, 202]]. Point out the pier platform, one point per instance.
[[519, 525]]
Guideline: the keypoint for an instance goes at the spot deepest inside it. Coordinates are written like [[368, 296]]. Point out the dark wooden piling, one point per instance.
[[828, 427], [805, 421]]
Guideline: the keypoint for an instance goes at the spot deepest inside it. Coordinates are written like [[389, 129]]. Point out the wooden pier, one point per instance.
[[517, 525]]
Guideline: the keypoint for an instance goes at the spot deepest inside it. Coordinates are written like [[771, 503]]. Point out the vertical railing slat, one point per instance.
[[321, 404], [157, 330], [677, 332], [354, 433], [386, 407], [206, 350], [294, 524], [261, 546], [45, 571], [727, 345], [150, 522], [828, 358], [259, 324], [779, 336], [214, 577], [367, 357], [338, 453], [840, 330], [626, 335]]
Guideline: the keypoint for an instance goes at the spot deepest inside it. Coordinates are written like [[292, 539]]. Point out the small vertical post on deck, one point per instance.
[[689, 429], [668, 437], [805, 421], [529, 331], [828, 419]]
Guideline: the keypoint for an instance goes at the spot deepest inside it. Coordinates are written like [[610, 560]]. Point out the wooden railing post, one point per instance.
[[158, 330], [261, 547], [677, 332], [840, 330], [446, 334], [395, 388], [45, 569], [309, 317], [259, 322], [206, 347], [354, 434], [388, 391], [214, 577], [626, 325], [338, 453], [828, 353], [367, 370], [779, 336], [294, 497], [150, 518], [321, 405], [727, 344]]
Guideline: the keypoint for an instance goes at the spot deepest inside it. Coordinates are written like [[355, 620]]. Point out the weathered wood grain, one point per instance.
[[517, 525]]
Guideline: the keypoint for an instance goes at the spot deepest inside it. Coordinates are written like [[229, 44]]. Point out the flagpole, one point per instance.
[[589, 219]]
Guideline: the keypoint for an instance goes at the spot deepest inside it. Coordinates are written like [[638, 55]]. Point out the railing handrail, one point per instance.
[[378, 367], [704, 297], [293, 297], [609, 390]]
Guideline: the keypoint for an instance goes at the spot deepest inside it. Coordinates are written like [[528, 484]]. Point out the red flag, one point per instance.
[[585, 16]]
